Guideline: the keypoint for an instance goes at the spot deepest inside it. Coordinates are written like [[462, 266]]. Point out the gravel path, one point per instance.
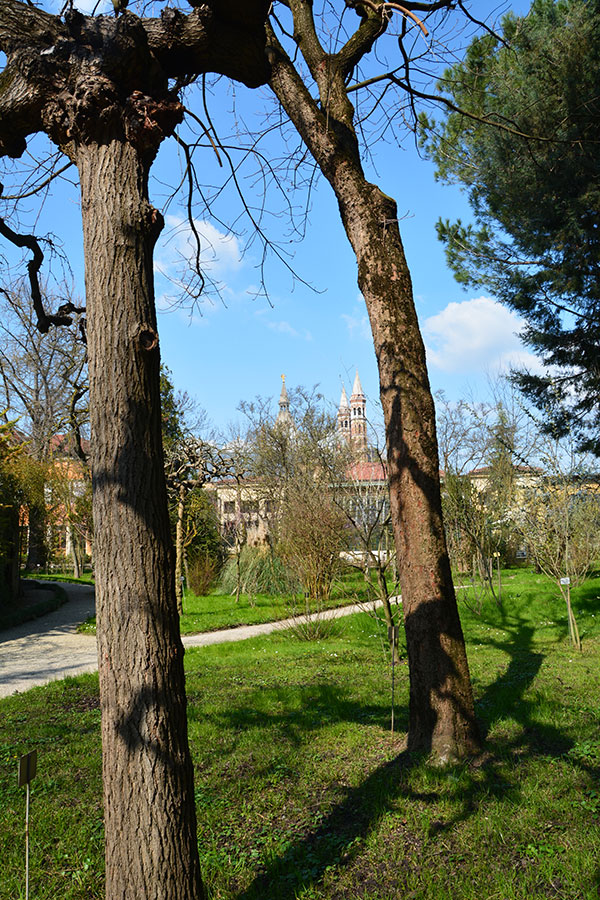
[[50, 647]]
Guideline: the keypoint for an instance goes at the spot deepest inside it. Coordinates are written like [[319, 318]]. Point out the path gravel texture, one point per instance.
[[50, 648]]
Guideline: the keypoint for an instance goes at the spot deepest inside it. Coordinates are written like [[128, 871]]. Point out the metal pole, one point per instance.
[[27, 844], [393, 672], [499, 582]]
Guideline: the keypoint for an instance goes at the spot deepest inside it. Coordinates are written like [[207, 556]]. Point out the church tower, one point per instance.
[[343, 417], [284, 417], [358, 416]]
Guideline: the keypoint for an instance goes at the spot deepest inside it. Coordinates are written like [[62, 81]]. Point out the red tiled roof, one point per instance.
[[367, 471], [64, 444]]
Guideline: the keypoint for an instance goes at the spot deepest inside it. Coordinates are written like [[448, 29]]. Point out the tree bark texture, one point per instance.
[[441, 714], [441, 703], [98, 86], [151, 847]]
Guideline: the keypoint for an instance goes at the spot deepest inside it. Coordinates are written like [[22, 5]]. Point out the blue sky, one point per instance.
[[237, 347]]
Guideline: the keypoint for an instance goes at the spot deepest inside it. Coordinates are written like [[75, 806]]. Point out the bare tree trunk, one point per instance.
[[442, 720], [151, 848], [76, 554], [37, 545], [441, 702], [179, 549], [238, 568], [387, 607], [186, 567]]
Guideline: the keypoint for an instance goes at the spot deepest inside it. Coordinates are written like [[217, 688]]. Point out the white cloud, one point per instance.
[[285, 328], [357, 323], [476, 335], [221, 255]]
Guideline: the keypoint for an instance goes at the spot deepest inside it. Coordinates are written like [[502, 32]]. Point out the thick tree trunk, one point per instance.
[[151, 848], [441, 716], [441, 702]]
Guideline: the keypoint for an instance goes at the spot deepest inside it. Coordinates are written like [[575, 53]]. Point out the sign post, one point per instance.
[[27, 770], [497, 556]]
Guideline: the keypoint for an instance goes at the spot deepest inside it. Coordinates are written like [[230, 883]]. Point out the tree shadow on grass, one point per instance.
[[314, 706], [336, 840]]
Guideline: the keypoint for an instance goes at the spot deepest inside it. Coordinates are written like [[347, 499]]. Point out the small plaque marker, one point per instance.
[[565, 580], [27, 768]]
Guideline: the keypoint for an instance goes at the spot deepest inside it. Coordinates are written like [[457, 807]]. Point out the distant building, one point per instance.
[[243, 507], [352, 417], [284, 417], [68, 528]]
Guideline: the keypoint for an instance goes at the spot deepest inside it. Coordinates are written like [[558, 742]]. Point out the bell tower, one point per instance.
[[343, 417], [358, 416], [284, 417]]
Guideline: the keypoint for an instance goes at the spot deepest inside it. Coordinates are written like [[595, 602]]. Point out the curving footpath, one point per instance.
[[50, 648]]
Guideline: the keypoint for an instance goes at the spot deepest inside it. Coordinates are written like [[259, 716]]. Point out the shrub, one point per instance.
[[313, 622], [202, 571], [258, 571]]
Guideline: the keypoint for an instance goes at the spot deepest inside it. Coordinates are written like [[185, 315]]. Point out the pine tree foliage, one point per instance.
[[527, 156]]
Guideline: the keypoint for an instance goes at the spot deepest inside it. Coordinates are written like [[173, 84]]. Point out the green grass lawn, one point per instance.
[[303, 794], [86, 578], [214, 611]]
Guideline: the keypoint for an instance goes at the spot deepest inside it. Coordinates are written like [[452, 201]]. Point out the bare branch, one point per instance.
[[40, 186], [481, 24], [382, 10], [491, 119], [305, 36], [267, 244], [30, 242], [190, 214], [361, 42]]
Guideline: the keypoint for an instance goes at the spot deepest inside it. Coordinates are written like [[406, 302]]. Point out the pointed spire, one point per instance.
[[357, 390], [284, 416], [344, 405], [284, 402], [358, 416]]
